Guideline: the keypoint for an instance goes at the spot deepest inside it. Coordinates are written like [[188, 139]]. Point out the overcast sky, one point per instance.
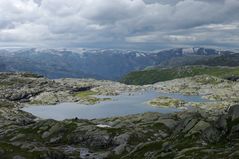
[[119, 23]]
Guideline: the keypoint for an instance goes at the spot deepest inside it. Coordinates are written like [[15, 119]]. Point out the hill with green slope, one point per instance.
[[153, 75]]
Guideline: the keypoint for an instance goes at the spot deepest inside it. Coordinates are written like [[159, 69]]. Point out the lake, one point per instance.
[[119, 106]]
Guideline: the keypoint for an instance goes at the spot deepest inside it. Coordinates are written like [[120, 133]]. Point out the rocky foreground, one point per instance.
[[188, 134]]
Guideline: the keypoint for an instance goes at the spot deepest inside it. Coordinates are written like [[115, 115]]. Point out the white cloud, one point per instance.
[[63, 22]]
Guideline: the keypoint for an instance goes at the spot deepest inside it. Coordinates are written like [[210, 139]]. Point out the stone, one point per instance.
[[119, 149], [199, 127], [212, 135], [17, 137], [233, 112], [122, 139], [1, 152], [55, 139], [162, 134], [221, 123], [45, 134], [186, 124], [170, 123], [18, 157], [167, 147], [189, 125]]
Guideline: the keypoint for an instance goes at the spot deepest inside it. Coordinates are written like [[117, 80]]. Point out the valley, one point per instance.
[[110, 64]]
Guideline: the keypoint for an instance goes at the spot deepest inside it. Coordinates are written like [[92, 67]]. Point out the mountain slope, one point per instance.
[[224, 60], [96, 63], [154, 75]]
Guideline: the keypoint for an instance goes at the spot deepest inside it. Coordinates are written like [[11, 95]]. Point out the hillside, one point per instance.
[[154, 75], [96, 63], [224, 60]]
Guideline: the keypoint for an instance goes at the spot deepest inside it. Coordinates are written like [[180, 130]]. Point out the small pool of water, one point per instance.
[[119, 106]]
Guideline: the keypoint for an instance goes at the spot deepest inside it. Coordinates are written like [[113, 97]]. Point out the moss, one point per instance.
[[185, 142], [89, 98], [5, 103], [84, 94], [159, 126], [30, 134], [11, 151], [69, 128]]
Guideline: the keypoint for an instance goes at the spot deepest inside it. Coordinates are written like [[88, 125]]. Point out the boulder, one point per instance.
[[56, 128], [212, 134], [122, 139], [199, 127], [119, 149], [1, 152], [233, 113], [18, 157], [167, 147], [185, 124], [221, 123]]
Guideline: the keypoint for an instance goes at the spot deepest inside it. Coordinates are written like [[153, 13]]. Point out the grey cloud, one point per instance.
[[124, 22], [173, 2]]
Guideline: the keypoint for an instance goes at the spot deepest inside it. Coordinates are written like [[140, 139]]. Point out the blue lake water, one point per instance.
[[119, 106]]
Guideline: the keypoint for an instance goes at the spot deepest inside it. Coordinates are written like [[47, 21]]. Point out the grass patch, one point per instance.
[[11, 151], [89, 98], [85, 94], [30, 134]]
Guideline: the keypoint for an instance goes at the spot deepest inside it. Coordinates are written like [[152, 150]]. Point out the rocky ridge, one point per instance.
[[221, 93]]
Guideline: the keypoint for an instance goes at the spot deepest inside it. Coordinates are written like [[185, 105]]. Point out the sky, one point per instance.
[[144, 24]]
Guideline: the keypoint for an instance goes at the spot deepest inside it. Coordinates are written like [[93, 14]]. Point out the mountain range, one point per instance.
[[109, 64]]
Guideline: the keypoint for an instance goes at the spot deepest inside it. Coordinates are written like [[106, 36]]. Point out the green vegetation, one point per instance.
[[154, 75], [6, 104], [12, 82], [85, 94], [88, 97], [12, 150]]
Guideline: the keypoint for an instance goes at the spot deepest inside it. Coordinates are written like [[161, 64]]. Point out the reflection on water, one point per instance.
[[119, 106]]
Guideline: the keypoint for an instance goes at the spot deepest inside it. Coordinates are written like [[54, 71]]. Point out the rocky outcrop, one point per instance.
[[186, 134], [221, 93], [234, 112], [167, 102]]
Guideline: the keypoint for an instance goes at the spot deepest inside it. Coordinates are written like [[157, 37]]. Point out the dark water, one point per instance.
[[119, 106]]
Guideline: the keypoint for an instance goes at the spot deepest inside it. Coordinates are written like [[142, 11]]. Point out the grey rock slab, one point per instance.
[[234, 112]]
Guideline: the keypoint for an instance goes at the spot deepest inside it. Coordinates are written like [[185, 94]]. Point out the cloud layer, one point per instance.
[[119, 23]]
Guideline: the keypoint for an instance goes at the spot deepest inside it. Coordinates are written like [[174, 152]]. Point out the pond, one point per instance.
[[120, 105]]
